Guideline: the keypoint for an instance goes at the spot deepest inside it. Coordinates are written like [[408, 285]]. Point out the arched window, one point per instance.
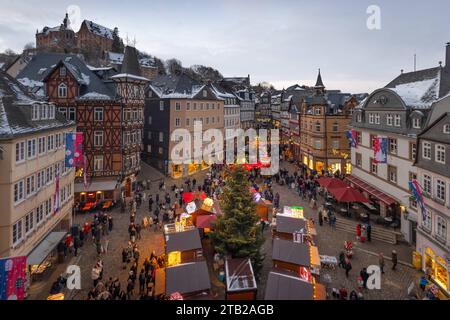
[[62, 90]]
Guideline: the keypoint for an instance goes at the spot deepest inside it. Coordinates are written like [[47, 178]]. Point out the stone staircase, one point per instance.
[[378, 233]]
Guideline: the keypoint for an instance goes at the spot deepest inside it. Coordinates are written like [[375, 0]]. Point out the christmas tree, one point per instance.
[[237, 233]]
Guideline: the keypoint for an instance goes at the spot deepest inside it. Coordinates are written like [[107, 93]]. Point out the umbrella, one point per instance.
[[206, 221], [332, 183], [348, 194], [203, 196], [188, 197]]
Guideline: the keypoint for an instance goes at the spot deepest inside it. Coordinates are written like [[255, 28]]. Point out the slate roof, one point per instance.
[[291, 252], [175, 86], [15, 111], [188, 278], [42, 64], [289, 224], [421, 88], [183, 241], [222, 92], [130, 63], [284, 285], [99, 30]]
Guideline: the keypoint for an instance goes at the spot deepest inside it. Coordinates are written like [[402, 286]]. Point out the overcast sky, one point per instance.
[[282, 42]]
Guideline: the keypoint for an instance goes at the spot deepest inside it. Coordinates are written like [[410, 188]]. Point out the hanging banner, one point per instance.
[[78, 150], [380, 146], [85, 182], [56, 196], [70, 137], [415, 189], [352, 139], [13, 278]]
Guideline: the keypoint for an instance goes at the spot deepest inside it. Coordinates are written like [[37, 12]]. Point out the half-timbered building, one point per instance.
[[108, 109]]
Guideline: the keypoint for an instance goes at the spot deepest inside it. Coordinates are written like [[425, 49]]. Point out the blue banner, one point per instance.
[[70, 149]]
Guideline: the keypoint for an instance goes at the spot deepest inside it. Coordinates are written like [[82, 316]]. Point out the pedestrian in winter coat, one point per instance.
[[320, 218], [348, 267], [141, 282], [130, 288], [394, 259], [381, 262], [365, 276], [110, 223], [369, 232]]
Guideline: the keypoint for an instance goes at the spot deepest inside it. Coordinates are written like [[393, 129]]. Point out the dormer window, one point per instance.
[[317, 111], [447, 129], [62, 71], [62, 90], [416, 123], [205, 93], [397, 121], [359, 117]]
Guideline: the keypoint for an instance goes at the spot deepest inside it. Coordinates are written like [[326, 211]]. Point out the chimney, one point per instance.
[[447, 56]]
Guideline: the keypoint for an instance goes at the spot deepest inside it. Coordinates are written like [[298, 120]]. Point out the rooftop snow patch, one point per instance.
[[420, 94], [95, 96], [129, 76]]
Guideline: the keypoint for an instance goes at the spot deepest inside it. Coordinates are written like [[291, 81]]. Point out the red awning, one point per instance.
[[348, 194], [383, 197], [331, 183]]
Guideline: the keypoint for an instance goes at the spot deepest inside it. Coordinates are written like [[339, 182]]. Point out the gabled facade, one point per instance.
[[177, 102], [108, 109], [433, 174], [398, 112], [324, 117], [32, 154]]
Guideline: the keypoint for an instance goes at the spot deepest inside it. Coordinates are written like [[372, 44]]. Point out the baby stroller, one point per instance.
[[348, 245]]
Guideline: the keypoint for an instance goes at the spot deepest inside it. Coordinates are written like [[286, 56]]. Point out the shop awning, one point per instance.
[[45, 247], [383, 197], [107, 185]]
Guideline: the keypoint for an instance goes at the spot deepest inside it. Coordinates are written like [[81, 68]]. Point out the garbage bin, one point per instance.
[[417, 260]]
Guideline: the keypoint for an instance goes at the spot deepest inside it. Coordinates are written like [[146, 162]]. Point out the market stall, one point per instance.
[[240, 280], [188, 279]]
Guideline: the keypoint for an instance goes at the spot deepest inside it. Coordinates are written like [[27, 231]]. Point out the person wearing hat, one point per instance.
[[394, 259]]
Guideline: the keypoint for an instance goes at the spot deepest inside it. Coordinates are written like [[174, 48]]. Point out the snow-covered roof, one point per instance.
[[42, 65], [420, 94], [16, 109], [117, 58], [99, 30], [176, 86], [94, 96], [419, 89], [129, 76]]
